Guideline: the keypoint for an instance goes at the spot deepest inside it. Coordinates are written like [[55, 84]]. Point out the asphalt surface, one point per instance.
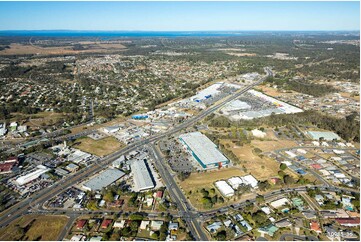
[[22, 208]]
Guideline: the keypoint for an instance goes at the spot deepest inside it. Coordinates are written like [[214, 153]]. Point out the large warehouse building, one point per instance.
[[103, 179], [143, 179], [326, 135], [203, 150]]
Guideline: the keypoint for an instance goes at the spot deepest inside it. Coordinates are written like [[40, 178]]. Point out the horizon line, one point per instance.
[[93, 30]]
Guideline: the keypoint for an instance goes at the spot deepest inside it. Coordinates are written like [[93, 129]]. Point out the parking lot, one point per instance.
[[178, 160]]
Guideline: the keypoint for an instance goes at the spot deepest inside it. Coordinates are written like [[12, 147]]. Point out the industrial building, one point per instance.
[[329, 136], [225, 189], [143, 179], [254, 104], [32, 176], [247, 180], [235, 182], [111, 129], [103, 179], [250, 180], [203, 150], [118, 162], [79, 156]]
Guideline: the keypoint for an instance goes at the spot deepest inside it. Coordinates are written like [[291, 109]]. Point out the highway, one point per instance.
[[178, 196], [22, 207]]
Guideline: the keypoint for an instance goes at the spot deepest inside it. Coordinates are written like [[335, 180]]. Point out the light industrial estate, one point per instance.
[[210, 137]]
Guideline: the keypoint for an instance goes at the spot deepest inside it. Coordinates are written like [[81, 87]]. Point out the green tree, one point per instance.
[[221, 235], [283, 166], [288, 180]]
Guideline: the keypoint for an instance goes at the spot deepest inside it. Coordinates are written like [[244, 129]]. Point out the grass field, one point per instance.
[[100, 147], [33, 227]]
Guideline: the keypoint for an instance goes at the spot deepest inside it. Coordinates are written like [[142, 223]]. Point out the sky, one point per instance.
[[180, 16]]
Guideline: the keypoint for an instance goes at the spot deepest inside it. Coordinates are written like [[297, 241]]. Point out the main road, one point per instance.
[[22, 207]]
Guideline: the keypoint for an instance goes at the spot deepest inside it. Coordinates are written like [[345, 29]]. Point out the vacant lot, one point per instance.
[[205, 179], [47, 118], [33, 227], [260, 168], [100, 147], [270, 145], [269, 90], [81, 128]]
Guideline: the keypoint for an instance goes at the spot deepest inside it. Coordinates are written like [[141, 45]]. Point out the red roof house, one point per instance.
[[274, 180], [316, 166], [350, 222], [315, 227], [106, 223], [7, 167], [81, 223], [159, 194]]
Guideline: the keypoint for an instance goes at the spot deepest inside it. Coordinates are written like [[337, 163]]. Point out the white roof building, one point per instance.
[[32, 176], [235, 182], [279, 202], [290, 154], [250, 180], [119, 224], [203, 150], [338, 152], [301, 151], [103, 179], [78, 156], [143, 179], [225, 189], [266, 210], [118, 161], [22, 128], [144, 224], [111, 129], [156, 224], [326, 135]]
